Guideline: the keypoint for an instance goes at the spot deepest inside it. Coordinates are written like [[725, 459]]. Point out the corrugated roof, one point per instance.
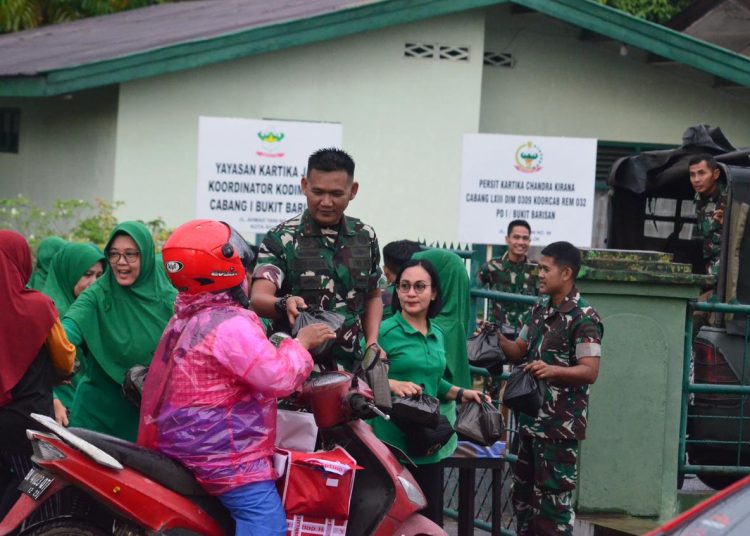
[[96, 39], [172, 37]]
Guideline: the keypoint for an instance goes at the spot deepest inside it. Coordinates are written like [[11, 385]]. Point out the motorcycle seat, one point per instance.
[[153, 464]]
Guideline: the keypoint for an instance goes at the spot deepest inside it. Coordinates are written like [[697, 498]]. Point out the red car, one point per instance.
[[725, 513]]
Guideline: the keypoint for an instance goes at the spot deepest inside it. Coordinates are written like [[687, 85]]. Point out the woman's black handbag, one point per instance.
[[425, 441], [480, 423], [419, 418], [132, 386], [484, 350], [422, 410], [523, 392]]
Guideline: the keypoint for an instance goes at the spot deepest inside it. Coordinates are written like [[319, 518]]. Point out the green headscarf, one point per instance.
[[455, 315], [122, 325], [67, 267], [44, 254]]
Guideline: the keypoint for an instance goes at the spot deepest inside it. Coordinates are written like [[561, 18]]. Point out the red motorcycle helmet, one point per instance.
[[206, 256]]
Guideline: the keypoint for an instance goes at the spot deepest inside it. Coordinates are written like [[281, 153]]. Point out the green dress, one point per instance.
[[419, 359], [44, 254], [66, 268], [121, 327]]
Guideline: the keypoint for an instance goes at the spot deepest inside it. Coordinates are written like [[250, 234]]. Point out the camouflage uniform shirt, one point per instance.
[[334, 268], [513, 277], [709, 228], [560, 336]]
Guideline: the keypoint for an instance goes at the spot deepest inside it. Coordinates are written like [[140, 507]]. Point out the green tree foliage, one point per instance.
[[654, 10], [16, 15], [71, 219]]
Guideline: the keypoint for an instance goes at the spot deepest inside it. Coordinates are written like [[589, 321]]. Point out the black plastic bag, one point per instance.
[[422, 410], [132, 386], [484, 350], [374, 371], [315, 315], [523, 392], [425, 441], [480, 423]]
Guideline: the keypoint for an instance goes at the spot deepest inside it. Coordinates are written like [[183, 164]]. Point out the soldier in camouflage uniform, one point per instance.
[[323, 258], [710, 201], [511, 273], [562, 344]]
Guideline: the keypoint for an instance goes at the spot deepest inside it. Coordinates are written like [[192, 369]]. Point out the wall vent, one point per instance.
[[436, 52], [498, 59]]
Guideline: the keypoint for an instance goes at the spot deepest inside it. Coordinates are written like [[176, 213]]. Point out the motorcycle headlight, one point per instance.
[[413, 492]]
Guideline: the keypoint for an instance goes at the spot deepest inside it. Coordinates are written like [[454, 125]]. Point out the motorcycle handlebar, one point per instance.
[[361, 406]]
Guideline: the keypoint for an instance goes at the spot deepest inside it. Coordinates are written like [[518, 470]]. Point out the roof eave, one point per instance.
[[236, 45], [587, 14]]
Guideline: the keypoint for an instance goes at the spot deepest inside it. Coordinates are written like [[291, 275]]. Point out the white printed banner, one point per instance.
[[249, 170], [549, 182]]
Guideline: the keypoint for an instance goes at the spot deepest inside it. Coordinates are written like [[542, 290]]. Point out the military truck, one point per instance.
[[651, 208]]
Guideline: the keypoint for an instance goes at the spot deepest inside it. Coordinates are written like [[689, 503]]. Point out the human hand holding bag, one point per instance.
[[523, 392]]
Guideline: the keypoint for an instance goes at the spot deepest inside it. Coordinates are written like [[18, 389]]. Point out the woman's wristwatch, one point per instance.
[[280, 304], [460, 395]]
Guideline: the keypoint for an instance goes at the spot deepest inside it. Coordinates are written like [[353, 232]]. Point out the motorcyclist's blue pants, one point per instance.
[[257, 509]]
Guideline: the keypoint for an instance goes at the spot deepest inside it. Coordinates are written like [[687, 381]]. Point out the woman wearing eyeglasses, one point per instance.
[[119, 320], [73, 269], [415, 348]]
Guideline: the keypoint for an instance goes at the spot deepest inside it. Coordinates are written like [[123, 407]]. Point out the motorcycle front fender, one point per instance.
[[25, 506]]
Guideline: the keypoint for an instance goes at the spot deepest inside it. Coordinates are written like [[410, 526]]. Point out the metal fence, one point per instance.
[[483, 491], [715, 414]]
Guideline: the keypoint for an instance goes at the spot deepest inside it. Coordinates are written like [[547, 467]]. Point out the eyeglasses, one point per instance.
[[130, 256], [419, 287]]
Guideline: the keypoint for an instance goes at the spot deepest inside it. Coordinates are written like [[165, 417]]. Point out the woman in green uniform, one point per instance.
[[73, 269], [45, 252], [416, 352], [119, 319]]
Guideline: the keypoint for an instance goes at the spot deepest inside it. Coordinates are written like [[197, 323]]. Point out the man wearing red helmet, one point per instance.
[[209, 399], [323, 258]]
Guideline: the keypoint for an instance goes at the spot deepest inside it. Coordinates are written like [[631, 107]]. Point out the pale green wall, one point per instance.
[[66, 148], [563, 86], [403, 121]]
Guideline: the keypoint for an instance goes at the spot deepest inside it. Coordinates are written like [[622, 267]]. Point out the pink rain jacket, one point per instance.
[[209, 399]]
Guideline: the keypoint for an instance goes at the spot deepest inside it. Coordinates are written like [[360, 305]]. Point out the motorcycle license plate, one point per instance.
[[36, 482]]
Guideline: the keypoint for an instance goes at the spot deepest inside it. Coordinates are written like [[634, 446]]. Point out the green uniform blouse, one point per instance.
[[419, 359]]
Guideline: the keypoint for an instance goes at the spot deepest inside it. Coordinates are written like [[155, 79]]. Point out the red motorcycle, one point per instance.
[[110, 486]]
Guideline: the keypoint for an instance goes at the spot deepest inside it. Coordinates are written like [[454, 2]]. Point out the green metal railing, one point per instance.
[[483, 490], [689, 388]]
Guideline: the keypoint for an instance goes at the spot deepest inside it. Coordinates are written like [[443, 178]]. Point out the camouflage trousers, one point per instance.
[[544, 479]]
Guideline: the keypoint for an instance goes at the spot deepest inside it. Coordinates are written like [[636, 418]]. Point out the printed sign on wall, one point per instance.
[[249, 170], [549, 182]]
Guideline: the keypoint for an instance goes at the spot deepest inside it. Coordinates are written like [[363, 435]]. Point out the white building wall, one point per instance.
[[561, 85], [66, 148], [403, 119]]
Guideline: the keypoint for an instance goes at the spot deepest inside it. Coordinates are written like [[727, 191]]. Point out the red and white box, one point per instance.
[[316, 488]]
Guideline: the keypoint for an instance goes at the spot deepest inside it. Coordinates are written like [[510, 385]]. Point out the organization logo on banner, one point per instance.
[[529, 158], [270, 144]]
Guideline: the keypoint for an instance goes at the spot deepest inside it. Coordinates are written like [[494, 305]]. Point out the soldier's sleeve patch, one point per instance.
[[588, 349]]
